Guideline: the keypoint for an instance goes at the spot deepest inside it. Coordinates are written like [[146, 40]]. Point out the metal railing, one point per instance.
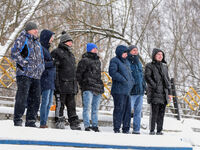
[[7, 72]]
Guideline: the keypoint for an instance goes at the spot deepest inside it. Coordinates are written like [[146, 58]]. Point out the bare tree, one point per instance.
[[173, 26], [16, 19]]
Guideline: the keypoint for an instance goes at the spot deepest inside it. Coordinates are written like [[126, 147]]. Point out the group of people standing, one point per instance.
[[41, 73], [129, 85]]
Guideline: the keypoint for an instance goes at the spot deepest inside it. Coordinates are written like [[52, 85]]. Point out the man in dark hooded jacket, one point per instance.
[[122, 83], [66, 83], [48, 77], [158, 89]]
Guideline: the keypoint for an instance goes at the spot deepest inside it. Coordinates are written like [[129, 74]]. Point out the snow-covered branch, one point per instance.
[[101, 28], [104, 33]]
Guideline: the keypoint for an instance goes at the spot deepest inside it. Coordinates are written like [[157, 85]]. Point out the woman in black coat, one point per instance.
[[158, 89], [66, 83]]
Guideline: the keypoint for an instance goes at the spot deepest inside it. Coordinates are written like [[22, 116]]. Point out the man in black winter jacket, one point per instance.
[[158, 89], [66, 83], [89, 78]]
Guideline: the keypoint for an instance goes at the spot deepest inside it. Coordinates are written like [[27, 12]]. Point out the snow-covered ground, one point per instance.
[[176, 134]]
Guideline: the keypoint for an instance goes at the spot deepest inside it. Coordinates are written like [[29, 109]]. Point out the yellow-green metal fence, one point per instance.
[[7, 72], [192, 98]]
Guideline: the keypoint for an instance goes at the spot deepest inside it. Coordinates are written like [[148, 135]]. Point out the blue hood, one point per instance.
[[45, 36], [120, 50]]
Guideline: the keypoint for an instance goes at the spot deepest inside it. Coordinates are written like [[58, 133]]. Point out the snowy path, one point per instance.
[[176, 134], [105, 139]]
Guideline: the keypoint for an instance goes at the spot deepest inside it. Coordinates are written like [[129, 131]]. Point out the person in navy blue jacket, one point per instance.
[[138, 89], [122, 83], [48, 77]]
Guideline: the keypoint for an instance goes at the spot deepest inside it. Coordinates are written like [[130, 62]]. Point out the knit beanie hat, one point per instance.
[[30, 26], [131, 47], [90, 46], [65, 37]]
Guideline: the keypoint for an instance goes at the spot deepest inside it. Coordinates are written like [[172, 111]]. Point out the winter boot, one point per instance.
[[95, 129], [159, 133], [136, 132], [75, 125], [87, 129], [18, 124], [116, 131], [152, 133], [60, 123], [30, 123]]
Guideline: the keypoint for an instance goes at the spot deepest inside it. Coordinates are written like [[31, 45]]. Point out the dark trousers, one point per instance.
[[69, 101], [122, 112], [27, 96], [157, 116]]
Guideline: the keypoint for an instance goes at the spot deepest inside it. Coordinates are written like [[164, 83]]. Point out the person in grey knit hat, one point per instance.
[[29, 58], [30, 26], [66, 86], [65, 37]]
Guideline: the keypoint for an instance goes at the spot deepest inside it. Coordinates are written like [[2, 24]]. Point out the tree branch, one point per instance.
[[19, 28], [148, 20], [112, 1]]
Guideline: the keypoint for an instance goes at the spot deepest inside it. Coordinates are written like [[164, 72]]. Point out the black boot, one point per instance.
[[19, 123], [74, 123], [75, 126], [152, 133], [95, 129], [88, 129], [159, 133]]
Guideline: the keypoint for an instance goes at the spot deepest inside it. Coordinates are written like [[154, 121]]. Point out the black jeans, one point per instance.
[[27, 96], [69, 101], [122, 112], [157, 116]]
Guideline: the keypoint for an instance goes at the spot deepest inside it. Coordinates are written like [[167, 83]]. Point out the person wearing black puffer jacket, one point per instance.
[[89, 78], [66, 83], [158, 89]]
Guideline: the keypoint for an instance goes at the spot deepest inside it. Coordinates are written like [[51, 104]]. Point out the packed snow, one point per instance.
[[183, 133]]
